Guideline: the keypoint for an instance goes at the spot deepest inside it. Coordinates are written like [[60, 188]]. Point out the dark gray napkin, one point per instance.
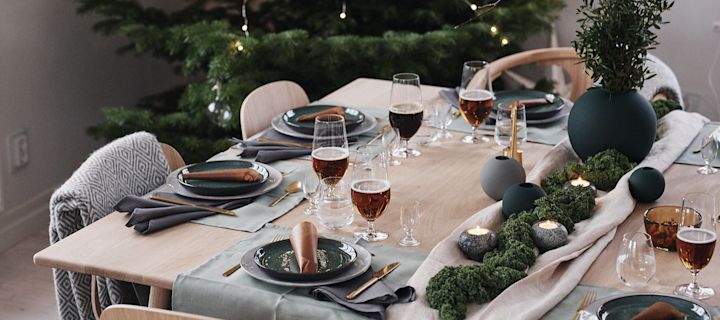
[[373, 301], [147, 215], [266, 152]]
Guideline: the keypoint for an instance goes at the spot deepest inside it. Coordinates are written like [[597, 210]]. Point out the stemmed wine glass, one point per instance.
[[330, 147], [406, 110], [476, 98], [409, 217], [709, 151], [696, 241], [390, 139], [370, 189]]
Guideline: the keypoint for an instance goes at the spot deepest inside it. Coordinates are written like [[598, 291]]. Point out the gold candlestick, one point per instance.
[[512, 150]]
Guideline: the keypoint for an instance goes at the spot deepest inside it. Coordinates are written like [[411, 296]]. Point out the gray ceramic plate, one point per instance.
[[273, 181], [353, 118], [279, 125], [626, 306], [362, 264], [222, 188], [278, 260]]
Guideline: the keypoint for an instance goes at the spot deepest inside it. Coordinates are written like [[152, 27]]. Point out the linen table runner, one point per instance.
[[558, 271], [205, 291]]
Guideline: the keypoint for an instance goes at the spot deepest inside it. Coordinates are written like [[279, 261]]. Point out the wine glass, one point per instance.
[[406, 110], [334, 209], [503, 124], [696, 241], [370, 189], [390, 140], [442, 112], [409, 217], [635, 264], [476, 98], [709, 151], [310, 189], [330, 147]]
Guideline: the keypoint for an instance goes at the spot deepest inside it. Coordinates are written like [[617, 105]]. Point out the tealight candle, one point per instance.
[[580, 182], [475, 242], [548, 235]]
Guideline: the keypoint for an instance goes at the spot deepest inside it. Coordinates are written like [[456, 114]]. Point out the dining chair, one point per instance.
[[565, 57], [130, 312], [267, 101], [131, 165]]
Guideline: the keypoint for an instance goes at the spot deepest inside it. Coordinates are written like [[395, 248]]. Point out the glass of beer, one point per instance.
[[370, 189], [476, 98], [696, 245], [406, 110], [330, 147]]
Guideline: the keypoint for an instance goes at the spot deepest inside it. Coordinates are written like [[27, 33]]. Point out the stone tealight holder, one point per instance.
[[475, 242], [548, 235], [580, 182]]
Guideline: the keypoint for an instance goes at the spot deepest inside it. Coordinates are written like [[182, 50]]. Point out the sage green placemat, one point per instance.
[[567, 308], [688, 157], [205, 291]]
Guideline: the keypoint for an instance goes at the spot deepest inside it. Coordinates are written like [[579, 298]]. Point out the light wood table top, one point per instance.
[[445, 179]]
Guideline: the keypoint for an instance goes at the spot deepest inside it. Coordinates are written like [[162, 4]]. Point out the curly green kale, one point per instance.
[[555, 181], [663, 107], [577, 203], [606, 168], [552, 211]]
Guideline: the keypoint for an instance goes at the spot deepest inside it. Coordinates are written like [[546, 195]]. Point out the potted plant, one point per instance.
[[613, 39]]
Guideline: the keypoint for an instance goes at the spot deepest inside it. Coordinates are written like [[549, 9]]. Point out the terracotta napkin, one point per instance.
[[242, 175], [660, 311], [312, 116], [304, 238]]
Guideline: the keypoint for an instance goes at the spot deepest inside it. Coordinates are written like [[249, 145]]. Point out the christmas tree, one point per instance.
[[228, 48]]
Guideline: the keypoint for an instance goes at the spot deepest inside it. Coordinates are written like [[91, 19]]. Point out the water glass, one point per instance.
[[503, 124], [409, 217], [390, 139], [310, 191], [442, 112], [635, 263], [709, 152], [335, 210]]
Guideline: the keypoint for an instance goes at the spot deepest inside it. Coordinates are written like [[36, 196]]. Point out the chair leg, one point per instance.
[[159, 298], [94, 298]]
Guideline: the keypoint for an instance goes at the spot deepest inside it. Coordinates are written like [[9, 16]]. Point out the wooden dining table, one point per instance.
[[446, 180]]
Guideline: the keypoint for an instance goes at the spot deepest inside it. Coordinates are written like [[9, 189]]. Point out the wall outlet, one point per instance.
[[716, 26], [19, 150]]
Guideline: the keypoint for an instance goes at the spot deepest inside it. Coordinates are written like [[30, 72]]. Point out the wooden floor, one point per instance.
[[26, 290]]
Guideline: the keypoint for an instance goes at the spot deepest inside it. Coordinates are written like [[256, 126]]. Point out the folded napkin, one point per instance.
[[242, 175], [304, 240], [311, 117], [147, 215], [373, 301], [660, 311]]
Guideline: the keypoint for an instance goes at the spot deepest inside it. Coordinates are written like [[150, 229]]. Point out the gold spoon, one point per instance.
[[293, 187]]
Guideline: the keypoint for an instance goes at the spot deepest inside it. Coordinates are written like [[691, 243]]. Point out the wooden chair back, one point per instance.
[[565, 57], [174, 159], [267, 101], [130, 312]]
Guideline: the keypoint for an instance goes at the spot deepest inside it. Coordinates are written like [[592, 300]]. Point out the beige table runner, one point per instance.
[[556, 272]]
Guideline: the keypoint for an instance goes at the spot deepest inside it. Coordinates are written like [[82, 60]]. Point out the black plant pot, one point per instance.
[[602, 120]]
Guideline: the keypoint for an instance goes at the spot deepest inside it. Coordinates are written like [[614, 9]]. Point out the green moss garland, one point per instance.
[[604, 170], [453, 287]]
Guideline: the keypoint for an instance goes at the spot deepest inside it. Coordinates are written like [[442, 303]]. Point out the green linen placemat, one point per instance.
[[205, 291], [688, 157]]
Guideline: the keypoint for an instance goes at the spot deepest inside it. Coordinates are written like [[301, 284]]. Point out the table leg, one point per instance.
[[159, 298]]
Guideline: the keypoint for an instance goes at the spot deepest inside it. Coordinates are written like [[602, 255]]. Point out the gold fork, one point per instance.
[[277, 237], [588, 299]]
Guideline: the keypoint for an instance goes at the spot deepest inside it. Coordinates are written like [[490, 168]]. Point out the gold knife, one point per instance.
[[183, 203], [375, 278]]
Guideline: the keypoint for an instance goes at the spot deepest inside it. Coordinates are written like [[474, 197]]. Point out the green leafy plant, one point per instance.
[[663, 107], [453, 287], [614, 37]]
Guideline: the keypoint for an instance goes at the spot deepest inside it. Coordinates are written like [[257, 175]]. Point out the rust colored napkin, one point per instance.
[[241, 175], [660, 311], [304, 238], [311, 117]]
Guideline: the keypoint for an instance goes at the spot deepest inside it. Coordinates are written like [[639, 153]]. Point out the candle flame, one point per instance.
[[477, 231], [548, 224]]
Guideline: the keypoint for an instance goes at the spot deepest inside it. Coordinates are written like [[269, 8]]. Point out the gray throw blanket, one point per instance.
[[131, 165]]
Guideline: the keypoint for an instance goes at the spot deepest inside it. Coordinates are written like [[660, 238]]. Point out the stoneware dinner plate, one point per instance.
[[278, 260], [532, 113], [279, 125], [354, 270], [273, 181], [626, 306], [222, 188], [353, 118]]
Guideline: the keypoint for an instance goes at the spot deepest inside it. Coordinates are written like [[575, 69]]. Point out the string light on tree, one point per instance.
[[343, 12], [473, 7], [237, 45], [494, 30], [244, 27], [504, 41]]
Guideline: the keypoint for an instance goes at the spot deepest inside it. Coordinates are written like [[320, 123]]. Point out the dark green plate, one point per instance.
[[533, 113], [222, 188], [277, 259], [627, 306], [353, 118]]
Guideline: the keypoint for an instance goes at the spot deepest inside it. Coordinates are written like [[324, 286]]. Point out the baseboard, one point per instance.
[[19, 222]]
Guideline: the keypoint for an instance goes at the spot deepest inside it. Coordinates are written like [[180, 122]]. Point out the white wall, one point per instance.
[[55, 75], [688, 45]]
